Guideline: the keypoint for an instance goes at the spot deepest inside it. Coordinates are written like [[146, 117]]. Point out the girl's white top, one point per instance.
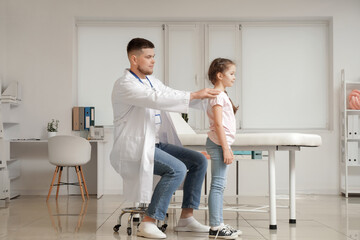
[[228, 118]]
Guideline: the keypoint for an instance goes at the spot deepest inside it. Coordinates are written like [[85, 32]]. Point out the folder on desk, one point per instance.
[[81, 118], [350, 126], [92, 116], [256, 154], [242, 152], [75, 119], [355, 128], [353, 152], [87, 118]]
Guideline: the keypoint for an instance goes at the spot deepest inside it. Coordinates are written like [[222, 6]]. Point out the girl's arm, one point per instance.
[[220, 132]]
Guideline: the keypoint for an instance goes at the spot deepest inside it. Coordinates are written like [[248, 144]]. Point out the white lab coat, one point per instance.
[[133, 151]]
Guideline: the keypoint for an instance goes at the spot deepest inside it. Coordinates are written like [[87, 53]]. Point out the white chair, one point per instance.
[[69, 151]]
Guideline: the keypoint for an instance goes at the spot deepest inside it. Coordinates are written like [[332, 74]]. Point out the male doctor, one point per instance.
[[145, 142]]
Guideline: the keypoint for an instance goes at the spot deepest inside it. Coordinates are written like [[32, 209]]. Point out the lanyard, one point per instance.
[[140, 79]]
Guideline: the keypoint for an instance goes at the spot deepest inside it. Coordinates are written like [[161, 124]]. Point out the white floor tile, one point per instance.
[[318, 217]]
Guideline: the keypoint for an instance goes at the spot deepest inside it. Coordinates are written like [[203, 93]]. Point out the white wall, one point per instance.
[[39, 46], [2, 39]]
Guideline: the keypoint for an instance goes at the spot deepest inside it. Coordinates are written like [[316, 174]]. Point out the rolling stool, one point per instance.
[[140, 210]]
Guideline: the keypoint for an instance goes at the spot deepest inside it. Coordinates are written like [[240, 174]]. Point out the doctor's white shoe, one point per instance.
[[150, 230], [191, 225]]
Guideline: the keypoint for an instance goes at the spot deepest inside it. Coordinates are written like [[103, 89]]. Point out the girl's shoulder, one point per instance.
[[219, 99], [222, 95]]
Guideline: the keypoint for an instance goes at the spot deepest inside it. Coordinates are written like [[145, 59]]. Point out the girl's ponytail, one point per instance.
[[233, 106]]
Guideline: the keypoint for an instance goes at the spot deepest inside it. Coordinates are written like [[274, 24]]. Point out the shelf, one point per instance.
[[352, 83], [352, 117], [9, 118], [9, 124], [28, 140], [351, 190], [10, 102], [14, 194], [344, 164]]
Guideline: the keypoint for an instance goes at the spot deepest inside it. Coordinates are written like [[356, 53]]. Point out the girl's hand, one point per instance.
[[228, 156]]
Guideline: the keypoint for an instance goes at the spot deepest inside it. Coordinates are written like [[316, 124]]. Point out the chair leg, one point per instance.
[[79, 179], [81, 215], [83, 179], [52, 183], [51, 216], [58, 186]]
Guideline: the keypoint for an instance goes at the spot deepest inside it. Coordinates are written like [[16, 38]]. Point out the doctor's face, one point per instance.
[[145, 61]]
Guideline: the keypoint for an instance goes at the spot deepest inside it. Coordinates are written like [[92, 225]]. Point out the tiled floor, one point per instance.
[[318, 217]]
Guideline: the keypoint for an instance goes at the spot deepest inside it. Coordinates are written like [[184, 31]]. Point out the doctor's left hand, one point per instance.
[[204, 93]]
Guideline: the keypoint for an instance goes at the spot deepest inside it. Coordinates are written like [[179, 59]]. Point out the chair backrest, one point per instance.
[[68, 150]]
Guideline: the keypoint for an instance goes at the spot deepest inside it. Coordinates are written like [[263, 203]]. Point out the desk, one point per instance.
[[270, 142], [96, 162]]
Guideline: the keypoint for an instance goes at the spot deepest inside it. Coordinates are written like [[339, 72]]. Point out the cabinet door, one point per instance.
[[223, 41], [182, 71], [4, 184], [4, 152]]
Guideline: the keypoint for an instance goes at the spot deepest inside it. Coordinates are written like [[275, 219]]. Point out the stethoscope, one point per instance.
[[140, 79], [156, 115]]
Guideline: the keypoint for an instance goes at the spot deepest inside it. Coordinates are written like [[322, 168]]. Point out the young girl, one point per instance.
[[221, 112]]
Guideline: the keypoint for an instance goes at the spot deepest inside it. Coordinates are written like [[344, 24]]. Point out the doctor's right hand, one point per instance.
[[204, 93]]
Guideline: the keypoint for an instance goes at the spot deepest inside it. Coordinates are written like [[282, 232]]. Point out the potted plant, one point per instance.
[[52, 127]]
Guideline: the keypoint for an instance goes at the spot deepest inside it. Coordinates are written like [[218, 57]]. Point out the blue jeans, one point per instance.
[[218, 182], [174, 163]]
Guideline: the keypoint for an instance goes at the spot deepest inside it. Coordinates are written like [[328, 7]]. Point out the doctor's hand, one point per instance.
[[228, 156], [204, 93]]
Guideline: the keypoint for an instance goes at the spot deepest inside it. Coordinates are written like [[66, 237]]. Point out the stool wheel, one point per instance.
[[116, 227], [128, 231], [163, 227]]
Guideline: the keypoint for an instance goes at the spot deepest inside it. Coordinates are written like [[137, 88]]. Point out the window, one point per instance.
[[283, 69]]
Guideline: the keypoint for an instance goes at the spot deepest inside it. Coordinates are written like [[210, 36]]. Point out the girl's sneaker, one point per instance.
[[237, 231], [223, 232]]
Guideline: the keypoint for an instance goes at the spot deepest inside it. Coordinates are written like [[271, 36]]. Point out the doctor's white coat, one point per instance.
[[132, 155]]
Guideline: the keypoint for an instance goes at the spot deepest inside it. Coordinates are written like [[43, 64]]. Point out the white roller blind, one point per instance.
[[183, 62], [223, 41], [285, 76], [102, 59]]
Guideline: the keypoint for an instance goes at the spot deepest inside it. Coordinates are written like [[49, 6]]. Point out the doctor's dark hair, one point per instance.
[[220, 65], [138, 44]]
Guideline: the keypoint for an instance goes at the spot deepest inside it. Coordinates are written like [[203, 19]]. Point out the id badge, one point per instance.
[[157, 119]]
